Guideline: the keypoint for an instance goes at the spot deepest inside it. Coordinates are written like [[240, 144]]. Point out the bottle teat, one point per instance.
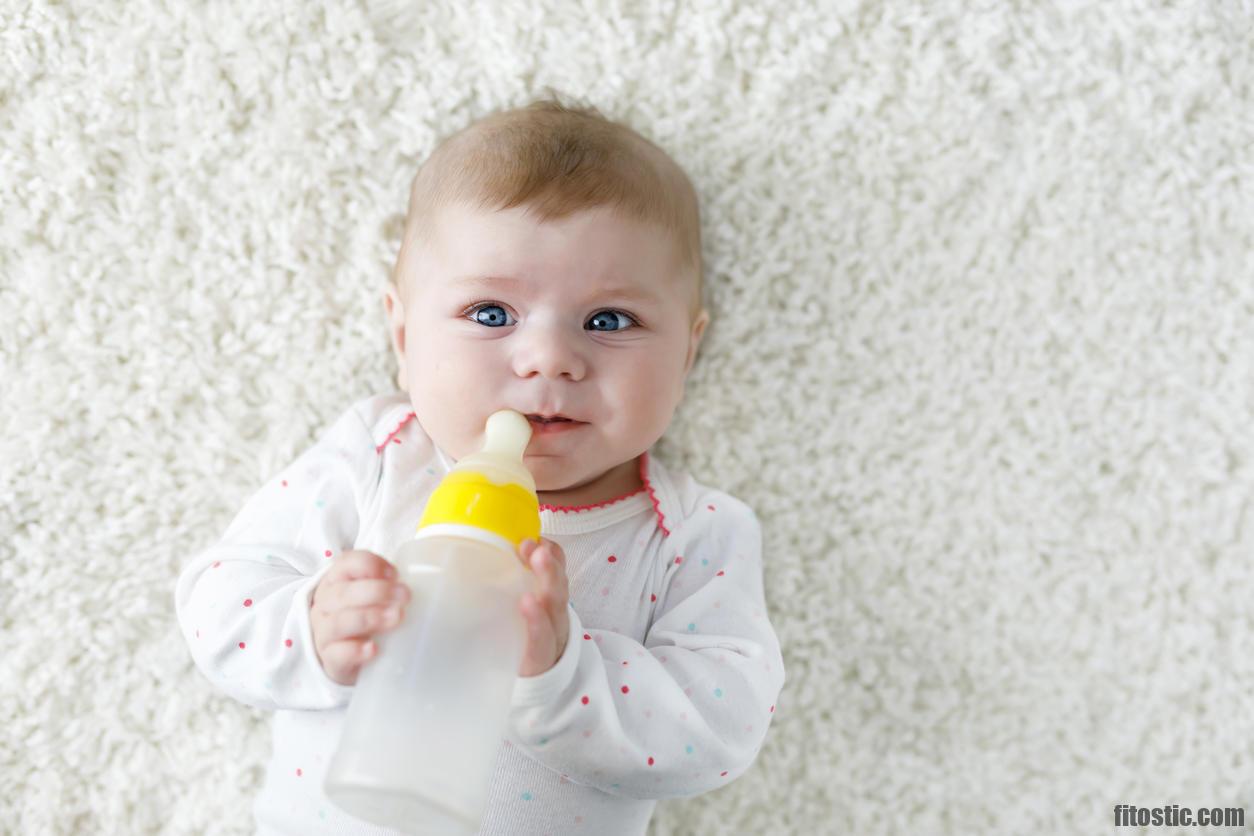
[[505, 439]]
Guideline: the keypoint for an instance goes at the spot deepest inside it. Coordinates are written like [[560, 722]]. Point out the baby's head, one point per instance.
[[551, 264]]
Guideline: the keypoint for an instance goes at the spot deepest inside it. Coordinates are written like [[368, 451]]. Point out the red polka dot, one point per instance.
[[625, 689], [584, 700], [772, 709], [722, 774], [678, 559], [652, 597], [197, 634], [216, 564], [720, 574], [624, 661], [298, 772], [586, 636], [711, 507], [287, 643], [327, 552], [248, 602], [285, 483], [241, 645], [650, 761], [613, 559], [396, 441]]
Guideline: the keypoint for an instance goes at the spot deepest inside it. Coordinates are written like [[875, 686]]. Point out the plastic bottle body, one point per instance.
[[428, 713]]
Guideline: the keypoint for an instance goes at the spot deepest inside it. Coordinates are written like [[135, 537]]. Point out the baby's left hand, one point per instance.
[[548, 623]]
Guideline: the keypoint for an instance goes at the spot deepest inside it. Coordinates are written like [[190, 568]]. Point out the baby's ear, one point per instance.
[[698, 328], [394, 312]]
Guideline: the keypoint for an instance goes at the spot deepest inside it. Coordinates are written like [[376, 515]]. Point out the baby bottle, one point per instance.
[[429, 711]]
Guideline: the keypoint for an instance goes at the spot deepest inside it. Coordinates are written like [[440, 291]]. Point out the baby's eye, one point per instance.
[[489, 314], [609, 317]]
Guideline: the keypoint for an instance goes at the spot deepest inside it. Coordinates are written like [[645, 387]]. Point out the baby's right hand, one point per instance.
[[360, 596]]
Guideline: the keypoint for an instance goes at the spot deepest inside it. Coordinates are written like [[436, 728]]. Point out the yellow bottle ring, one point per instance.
[[469, 498]]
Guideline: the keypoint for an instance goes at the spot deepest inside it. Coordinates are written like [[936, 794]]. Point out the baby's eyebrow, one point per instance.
[[617, 291]]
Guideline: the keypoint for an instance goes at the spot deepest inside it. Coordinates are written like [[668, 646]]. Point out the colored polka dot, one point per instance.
[[320, 503], [772, 709], [543, 741], [586, 636], [287, 642], [587, 734], [285, 483], [722, 775], [298, 772], [624, 661], [711, 507], [650, 761], [691, 627], [718, 692], [327, 552], [248, 602], [625, 688], [198, 634], [720, 574], [613, 559], [605, 590], [216, 564], [705, 562], [429, 470], [396, 441], [322, 814], [663, 659], [241, 645], [678, 560], [584, 700], [652, 597], [578, 819], [688, 748]]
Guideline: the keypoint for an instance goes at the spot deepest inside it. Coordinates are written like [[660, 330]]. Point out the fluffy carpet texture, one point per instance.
[[982, 287]]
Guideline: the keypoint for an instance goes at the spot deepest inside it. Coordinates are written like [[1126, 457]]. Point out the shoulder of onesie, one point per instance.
[[388, 416], [702, 508]]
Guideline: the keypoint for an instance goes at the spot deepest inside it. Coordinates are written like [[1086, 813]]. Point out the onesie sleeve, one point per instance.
[[687, 711], [243, 602]]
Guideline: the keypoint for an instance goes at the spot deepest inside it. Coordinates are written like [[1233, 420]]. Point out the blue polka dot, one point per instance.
[[319, 503], [688, 748], [526, 796], [705, 562], [718, 692], [543, 741], [429, 470], [691, 627], [322, 814]]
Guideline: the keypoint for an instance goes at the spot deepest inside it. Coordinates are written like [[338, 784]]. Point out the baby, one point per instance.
[[551, 264]]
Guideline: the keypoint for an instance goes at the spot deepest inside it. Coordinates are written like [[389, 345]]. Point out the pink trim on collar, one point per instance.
[[393, 433], [648, 486]]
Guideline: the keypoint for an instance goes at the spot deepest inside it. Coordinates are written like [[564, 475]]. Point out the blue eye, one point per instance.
[[490, 315], [608, 316]]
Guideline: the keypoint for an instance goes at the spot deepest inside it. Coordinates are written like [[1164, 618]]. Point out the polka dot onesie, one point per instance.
[[665, 689]]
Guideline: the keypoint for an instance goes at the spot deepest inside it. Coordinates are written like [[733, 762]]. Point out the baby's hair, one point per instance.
[[556, 159]]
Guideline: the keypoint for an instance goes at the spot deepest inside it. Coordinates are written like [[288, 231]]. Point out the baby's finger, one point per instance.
[[342, 659], [358, 563], [360, 622], [369, 592]]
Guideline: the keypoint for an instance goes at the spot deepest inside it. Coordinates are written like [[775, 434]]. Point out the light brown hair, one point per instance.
[[556, 159]]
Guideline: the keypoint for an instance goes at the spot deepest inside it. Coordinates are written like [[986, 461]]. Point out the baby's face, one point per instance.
[[584, 317]]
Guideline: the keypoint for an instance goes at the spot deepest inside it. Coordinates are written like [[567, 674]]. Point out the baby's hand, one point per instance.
[[359, 597], [548, 623]]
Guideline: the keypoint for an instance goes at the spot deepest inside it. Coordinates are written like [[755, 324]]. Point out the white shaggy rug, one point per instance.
[[982, 280]]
